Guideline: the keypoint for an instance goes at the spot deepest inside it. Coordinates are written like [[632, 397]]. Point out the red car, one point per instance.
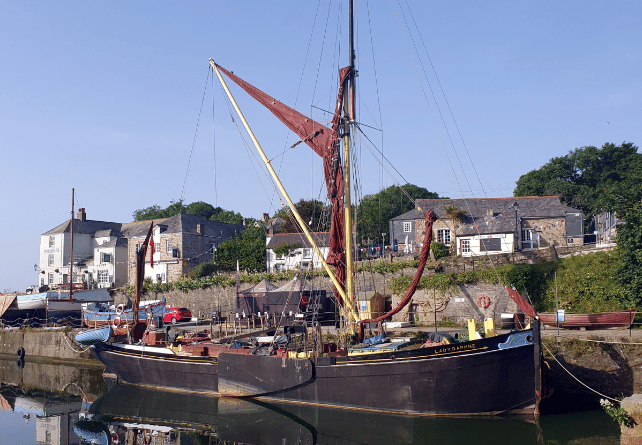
[[174, 314]]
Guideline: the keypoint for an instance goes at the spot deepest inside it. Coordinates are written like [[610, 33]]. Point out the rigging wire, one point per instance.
[[448, 106], [191, 153], [214, 144], [466, 203]]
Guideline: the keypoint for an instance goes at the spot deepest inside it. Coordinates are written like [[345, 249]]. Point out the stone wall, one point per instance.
[[57, 345], [456, 305]]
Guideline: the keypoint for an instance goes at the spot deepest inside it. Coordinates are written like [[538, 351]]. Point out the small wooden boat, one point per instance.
[[599, 320]]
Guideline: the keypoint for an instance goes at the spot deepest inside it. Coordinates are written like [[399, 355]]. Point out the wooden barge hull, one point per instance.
[[145, 366], [600, 320], [484, 377], [477, 383]]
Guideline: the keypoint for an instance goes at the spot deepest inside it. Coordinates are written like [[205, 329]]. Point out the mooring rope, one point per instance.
[[578, 380], [71, 346], [599, 341]]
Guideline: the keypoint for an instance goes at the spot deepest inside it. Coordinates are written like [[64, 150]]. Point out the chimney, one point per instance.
[[489, 212], [82, 215], [199, 229], [266, 217]]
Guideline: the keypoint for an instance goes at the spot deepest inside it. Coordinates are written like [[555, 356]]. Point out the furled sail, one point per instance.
[[324, 142]]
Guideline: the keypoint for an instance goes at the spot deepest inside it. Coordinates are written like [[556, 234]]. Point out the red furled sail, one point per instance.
[[140, 271], [521, 302], [430, 218], [325, 143]]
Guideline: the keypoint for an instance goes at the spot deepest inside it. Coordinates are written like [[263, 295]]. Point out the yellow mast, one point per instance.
[[349, 116], [348, 303]]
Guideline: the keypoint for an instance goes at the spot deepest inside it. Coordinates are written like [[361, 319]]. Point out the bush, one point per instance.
[[440, 250]]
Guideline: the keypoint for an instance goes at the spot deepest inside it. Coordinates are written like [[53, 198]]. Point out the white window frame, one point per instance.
[[168, 246], [465, 247], [407, 227], [105, 257], [50, 259], [50, 278], [443, 236], [52, 241], [307, 252], [102, 276]]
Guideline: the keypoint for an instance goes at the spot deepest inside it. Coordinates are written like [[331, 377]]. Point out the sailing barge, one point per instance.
[[493, 375]]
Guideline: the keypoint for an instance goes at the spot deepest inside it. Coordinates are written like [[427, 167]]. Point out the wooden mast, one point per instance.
[[71, 250], [348, 118]]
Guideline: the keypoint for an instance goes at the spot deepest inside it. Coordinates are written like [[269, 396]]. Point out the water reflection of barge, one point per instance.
[[137, 413]]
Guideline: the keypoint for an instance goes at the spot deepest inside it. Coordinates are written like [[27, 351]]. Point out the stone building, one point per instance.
[[104, 252], [492, 225]]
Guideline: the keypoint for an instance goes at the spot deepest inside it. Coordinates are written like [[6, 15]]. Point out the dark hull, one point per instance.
[[185, 373], [483, 377]]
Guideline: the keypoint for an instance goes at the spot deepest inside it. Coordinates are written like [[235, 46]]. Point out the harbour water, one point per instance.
[[53, 404]]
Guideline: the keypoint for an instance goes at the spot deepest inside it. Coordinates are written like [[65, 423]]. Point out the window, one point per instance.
[[50, 260], [156, 247], [105, 258], [492, 244], [443, 236], [465, 246], [169, 246], [307, 252], [407, 227], [52, 241], [102, 276], [50, 278], [526, 235]]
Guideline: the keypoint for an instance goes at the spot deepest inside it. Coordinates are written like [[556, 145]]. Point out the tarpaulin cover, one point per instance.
[[5, 302]]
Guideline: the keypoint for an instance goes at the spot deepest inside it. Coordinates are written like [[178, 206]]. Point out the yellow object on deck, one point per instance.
[[472, 329], [489, 327]]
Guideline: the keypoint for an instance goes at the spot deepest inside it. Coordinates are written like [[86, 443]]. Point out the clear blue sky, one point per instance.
[[105, 97]]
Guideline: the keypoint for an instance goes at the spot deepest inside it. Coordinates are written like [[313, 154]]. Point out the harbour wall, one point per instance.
[[54, 346], [456, 305]]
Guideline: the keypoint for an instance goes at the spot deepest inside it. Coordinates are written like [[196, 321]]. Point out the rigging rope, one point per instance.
[[191, 153]]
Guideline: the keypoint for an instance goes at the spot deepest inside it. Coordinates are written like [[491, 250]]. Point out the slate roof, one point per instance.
[[322, 239], [85, 227], [497, 215], [181, 223], [116, 242]]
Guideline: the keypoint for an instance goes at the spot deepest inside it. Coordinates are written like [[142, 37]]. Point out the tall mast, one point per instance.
[[348, 118], [71, 249]]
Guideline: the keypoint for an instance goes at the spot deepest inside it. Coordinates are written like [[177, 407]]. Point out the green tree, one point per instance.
[[286, 249], [588, 178], [374, 211], [199, 208], [227, 216], [629, 248], [313, 212], [149, 213], [248, 248]]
